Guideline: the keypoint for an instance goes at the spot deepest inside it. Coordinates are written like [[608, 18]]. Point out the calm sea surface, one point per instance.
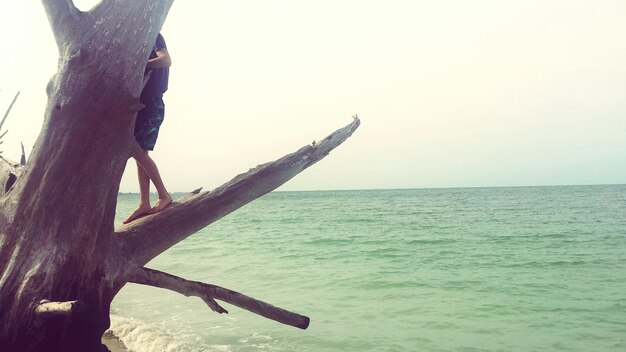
[[474, 269]]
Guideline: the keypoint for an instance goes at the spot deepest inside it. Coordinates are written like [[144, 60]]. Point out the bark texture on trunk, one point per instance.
[[9, 172], [61, 259]]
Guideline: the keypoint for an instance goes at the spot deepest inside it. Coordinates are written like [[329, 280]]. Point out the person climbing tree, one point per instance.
[[147, 125]]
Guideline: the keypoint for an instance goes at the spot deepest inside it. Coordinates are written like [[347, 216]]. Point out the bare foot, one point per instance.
[[161, 204], [143, 210]]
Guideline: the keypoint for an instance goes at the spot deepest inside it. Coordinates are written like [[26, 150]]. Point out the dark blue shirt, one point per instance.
[[157, 84]]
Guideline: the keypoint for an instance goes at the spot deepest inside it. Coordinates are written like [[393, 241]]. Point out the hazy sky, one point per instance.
[[450, 93]]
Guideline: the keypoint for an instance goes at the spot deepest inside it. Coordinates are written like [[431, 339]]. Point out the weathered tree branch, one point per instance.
[[208, 293], [6, 114], [23, 156], [46, 309], [62, 15], [146, 238], [9, 171]]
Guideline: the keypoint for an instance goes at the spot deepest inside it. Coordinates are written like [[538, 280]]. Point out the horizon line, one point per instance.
[[423, 188]]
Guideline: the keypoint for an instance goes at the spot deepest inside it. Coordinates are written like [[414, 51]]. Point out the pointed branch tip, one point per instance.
[[6, 114], [23, 157], [214, 305]]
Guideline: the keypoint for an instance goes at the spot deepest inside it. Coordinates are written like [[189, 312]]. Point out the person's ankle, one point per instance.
[[144, 204]]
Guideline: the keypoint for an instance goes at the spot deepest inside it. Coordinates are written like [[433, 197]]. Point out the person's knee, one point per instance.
[[144, 159], [138, 153]]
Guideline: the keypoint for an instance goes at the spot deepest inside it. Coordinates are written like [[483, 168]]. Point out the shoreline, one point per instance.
[[113, 343]]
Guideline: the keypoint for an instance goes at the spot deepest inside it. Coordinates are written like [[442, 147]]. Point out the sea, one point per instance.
[[456, 269]]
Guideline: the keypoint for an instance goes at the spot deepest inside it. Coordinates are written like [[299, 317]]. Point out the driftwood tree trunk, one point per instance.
[[61, 259]]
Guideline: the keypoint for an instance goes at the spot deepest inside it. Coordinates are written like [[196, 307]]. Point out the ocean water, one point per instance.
[[473, 269]]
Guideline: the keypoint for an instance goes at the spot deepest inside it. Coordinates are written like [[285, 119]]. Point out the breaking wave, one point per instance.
[[139, 336]]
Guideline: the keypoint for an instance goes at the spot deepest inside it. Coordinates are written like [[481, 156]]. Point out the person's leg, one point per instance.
[[147, 125], [144, 207], [150, 168], [144, 185]]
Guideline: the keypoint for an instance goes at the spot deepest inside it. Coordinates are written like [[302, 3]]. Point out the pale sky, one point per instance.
[[450, 93]]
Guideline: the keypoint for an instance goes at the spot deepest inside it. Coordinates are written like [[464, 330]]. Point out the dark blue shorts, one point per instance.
[[148, 121]]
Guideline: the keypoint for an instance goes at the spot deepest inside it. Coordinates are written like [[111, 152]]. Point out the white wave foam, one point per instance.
[[139, 336]]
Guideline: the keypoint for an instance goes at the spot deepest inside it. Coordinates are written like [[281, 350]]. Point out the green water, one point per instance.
[[476, 269]]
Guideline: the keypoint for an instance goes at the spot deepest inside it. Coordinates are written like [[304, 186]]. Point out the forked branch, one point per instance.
[[62, 15], [208, 293], [146, 238]]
